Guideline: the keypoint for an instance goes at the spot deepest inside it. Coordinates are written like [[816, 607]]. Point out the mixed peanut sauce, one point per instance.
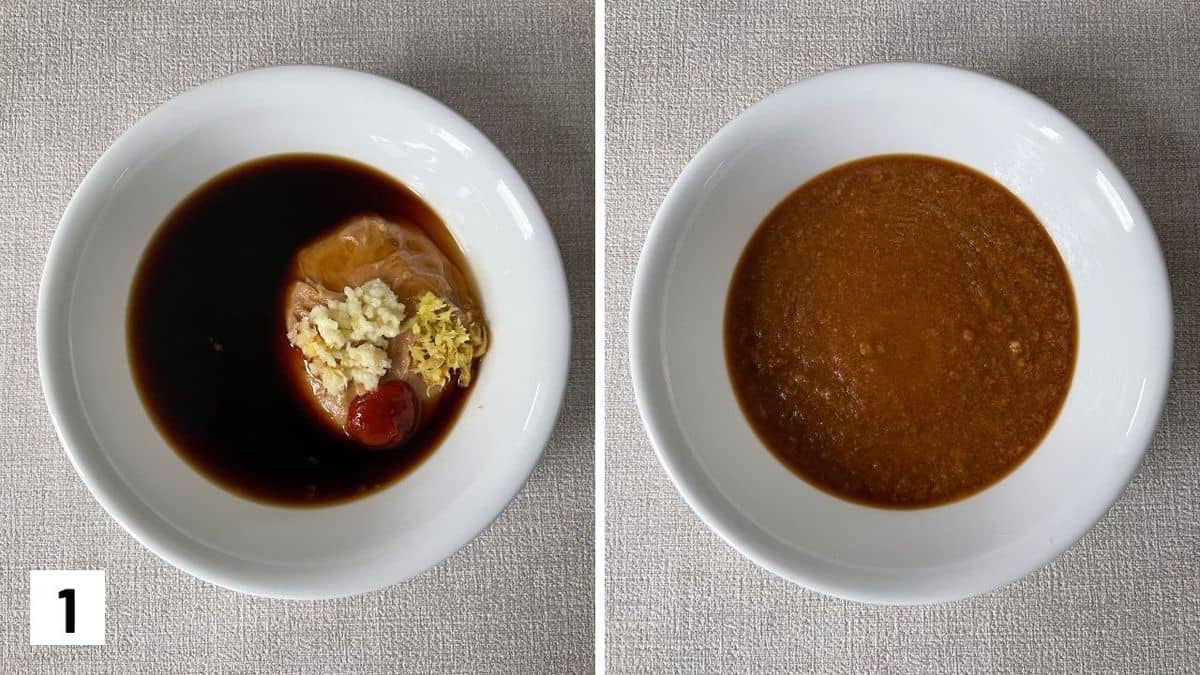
[[901, 331]]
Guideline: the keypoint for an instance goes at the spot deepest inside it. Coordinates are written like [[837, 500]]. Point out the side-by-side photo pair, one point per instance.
[[615, 336]]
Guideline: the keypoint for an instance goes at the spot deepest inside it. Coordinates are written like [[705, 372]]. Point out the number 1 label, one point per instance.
[[66, 607], [68, 594]]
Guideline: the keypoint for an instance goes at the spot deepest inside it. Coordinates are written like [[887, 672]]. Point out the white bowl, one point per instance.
[[187, 519], [832, 545]]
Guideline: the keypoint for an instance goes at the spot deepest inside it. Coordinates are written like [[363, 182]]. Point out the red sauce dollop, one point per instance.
[[385, 417]]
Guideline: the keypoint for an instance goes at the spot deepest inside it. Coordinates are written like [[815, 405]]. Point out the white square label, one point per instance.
[[66, 607]]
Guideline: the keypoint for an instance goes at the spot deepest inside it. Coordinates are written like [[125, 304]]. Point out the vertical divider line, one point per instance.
[[598, 161]]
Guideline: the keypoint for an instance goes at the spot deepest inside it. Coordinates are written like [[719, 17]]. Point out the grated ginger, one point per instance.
[[446, 339], [345, 341]]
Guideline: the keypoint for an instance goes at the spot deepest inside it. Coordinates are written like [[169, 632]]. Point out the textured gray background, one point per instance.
[[73, 77], [1126, 598]]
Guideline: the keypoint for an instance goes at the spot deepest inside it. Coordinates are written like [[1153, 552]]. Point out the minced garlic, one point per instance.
[[446, 339], [346, 341]]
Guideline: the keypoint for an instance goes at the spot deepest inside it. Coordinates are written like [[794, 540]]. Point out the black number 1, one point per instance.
[[69, 595]]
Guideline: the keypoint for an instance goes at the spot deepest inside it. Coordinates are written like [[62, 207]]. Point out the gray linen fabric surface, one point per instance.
[[1127, 597], [72, 78]]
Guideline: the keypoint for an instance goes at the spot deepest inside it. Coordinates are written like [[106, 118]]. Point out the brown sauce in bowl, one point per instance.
[[900, 331], [206, 336]]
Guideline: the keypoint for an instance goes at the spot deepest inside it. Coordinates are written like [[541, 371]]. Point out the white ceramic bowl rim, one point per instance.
[[658, 405], [70, 416]]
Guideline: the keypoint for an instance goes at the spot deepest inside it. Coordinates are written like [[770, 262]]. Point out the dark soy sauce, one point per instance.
[[207, 339]]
